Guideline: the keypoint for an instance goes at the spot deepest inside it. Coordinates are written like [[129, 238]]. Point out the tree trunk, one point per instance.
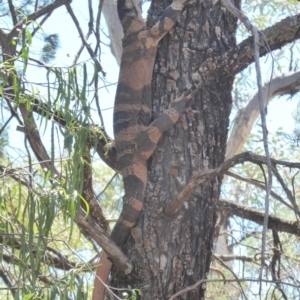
[[169, 254]]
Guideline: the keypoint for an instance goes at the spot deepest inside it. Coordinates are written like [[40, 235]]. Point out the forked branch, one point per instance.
[[207, 175]]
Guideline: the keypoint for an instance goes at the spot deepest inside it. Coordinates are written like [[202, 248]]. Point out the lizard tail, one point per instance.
[[101, 277]]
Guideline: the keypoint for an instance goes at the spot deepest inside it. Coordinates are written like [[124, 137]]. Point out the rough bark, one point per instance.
[[169, 254]]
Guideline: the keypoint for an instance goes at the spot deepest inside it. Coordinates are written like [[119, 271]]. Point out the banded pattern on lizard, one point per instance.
[[135, 139]]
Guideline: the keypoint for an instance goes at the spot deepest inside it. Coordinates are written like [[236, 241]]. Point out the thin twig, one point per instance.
[[207, 175], [88, 47], [37, 28], [107, 185], [36, 5], [29, 161], [266, 146], [97, 33], [259, 185], [96, 95], [90, 31], [5, 124], [243, 18], [235, 276], [203, 281], [289, 194], [276, 258]]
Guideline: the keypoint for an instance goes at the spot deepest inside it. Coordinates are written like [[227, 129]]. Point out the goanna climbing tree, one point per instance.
[[172, 252], [183, 240], [136, 136]]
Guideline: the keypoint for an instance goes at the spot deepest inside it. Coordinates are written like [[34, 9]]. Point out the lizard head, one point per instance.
[[130, 14]]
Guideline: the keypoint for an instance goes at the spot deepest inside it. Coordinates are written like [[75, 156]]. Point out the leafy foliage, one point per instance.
[[51, 45], [44, 255]]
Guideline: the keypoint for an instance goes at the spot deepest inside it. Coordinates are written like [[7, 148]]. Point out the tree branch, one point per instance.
[[14, 174], [34, 138], [226, 258], [115, 253], [37, 14], [98, 139], [289, 194], [207, 175], [57, 260], [284, 84], [89, 195], [254, 215], [238, 58]]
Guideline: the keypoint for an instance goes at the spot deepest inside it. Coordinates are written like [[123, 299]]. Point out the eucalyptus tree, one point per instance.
[[52, 219]]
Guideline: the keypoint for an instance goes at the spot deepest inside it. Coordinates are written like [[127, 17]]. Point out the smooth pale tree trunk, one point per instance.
[[170, 253], [115, 30]]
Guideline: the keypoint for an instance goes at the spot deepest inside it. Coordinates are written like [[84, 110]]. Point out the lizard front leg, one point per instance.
[[167, 20], [147, 140]]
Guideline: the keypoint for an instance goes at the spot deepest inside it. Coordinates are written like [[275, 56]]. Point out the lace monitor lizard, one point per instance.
[[135, 139]]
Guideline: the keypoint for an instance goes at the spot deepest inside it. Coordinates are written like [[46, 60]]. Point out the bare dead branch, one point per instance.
[[226, 258], [37, 28], [107, 185], [115, 253], [96, 97], [90, 30], [97, 31], [257, 216], [216, 270], [207, 175], [5, 124], [14, 174], [276, 258]]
